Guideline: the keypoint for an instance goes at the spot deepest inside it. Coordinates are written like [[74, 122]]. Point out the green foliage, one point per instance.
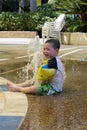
[[9, 21], [15, 22], [74, 24], [31, 21], [22, 22], [47, 10], [77, 8], [76, 17]]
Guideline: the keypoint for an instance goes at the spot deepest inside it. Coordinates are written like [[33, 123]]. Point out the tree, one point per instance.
[[1, 2], [22, 5], [10, 5], [33, 5], [77, 9]]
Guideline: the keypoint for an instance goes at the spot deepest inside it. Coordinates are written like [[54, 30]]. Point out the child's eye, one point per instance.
[[44, 49], [48, 49]]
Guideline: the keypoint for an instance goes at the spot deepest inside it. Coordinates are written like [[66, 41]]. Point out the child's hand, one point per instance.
[[44, 82]]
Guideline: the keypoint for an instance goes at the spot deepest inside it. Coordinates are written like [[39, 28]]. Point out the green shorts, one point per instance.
[[44, 89]]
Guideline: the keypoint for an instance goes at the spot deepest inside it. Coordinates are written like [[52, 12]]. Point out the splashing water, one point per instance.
[[35, 59]]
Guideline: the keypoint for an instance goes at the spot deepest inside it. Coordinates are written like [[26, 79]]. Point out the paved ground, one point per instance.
[[19, 52], [14, 105]]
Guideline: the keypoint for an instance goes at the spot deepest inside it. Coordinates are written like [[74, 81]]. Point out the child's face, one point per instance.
[[49, 52]]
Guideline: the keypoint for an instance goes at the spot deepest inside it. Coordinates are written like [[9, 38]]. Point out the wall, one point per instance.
[[77, 38], [17, 34]]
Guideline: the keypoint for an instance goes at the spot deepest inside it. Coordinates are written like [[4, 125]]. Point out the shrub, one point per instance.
[[31, 21]]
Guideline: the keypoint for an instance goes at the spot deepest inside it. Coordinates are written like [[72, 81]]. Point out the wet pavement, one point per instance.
[[66, 111]]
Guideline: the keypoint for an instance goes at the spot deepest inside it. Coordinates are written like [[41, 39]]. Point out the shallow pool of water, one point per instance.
[[13, 71], [66, 111]]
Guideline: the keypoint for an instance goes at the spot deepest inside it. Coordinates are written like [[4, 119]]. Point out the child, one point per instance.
[[50, 85]]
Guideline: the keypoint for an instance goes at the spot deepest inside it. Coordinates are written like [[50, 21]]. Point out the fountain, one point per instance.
[[35, 59]]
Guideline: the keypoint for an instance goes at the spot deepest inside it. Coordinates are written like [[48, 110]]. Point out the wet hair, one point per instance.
[[54, 42]]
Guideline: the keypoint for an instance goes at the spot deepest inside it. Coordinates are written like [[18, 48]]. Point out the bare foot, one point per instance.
[[13, 87]]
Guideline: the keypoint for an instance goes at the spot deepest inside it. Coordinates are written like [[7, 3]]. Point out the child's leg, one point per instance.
[[24, 84], [32, 89]]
